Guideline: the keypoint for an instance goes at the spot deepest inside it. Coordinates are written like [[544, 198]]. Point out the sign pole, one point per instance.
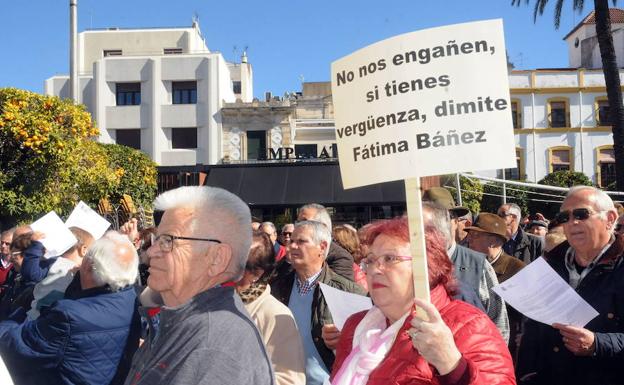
[[417, 241]]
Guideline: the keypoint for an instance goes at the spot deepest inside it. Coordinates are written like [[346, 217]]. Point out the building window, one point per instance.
[[256, 145], [560, 158], [236, 87], [606, 166], [184, 137], [516, 173], [306, 151], [111, 52], [184, 92], [558, 113], [172, 51], [602, 112], [128, 94], [515, 113], [130, 138]]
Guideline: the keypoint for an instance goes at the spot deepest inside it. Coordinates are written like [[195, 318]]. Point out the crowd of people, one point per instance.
[[212, 297]]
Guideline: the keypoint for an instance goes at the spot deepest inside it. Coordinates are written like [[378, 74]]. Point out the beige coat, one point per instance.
[[280, 335]]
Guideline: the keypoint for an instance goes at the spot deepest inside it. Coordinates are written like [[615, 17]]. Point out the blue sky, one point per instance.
[[287, 39]]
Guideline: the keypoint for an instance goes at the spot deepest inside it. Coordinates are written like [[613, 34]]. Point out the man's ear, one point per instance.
[[82, 251], [612, 217], [323, 245], [220, 256]]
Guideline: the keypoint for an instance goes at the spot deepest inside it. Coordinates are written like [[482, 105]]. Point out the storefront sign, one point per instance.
[[424, 103]]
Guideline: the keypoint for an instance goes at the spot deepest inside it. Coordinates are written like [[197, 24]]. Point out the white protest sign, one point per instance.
[[87, 219], [424, 103], [58, 239]]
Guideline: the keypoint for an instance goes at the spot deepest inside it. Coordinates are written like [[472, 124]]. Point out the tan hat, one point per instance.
[[491, 224], [443, 197]]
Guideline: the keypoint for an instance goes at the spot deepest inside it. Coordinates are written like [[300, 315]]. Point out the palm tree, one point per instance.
[[609, 68]]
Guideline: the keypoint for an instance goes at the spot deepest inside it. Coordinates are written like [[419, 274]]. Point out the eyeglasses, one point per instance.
[[504, 214], [165, 241], [385, 260], [5, 243], [287, 233], [579, 214]]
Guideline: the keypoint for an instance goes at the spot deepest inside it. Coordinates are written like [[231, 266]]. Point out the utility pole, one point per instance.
[[73, 51]]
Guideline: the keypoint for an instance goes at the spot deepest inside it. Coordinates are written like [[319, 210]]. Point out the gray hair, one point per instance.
[[438, 219], [514, 209], [270, 225], [601, 200], [110, 266], [320, 233], [321, 214], [231, 225]]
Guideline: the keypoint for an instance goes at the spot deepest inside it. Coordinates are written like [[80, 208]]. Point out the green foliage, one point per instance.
[[471, 191], [543, 204], [566, 179], [49, 160], [493, 197], [137, 173]]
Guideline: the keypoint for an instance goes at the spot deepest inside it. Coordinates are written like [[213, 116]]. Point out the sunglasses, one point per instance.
[[579, 214]]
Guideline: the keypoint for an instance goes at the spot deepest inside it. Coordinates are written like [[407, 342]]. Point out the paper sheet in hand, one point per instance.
[[342, 304], [58, 239], [87, 219], [538, 292]]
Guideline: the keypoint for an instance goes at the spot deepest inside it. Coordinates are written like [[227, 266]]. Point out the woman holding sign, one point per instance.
[[458, 344]]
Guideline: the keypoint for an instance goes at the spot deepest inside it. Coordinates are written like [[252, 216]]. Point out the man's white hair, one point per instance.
[[269, 225], [228, 214], [438, 218], [321, 214], [514, 209], [601, 200], [320, 233], [109, 263]]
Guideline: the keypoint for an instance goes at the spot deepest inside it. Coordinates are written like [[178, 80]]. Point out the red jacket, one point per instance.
[[484, 350]]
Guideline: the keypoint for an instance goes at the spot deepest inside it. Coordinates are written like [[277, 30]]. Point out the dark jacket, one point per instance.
[[543, 358], [282, 287], [35, 267], [208, 340], [75, 341], [528, 247], [340, 261]]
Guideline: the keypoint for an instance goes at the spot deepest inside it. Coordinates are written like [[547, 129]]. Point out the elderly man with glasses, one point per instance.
[[591, 262], [526, 247], [205, 335], [299, 290]]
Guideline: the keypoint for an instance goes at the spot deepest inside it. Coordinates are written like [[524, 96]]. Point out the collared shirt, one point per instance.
[[510, 246], [308, 285], [5, 262], [575, 277]]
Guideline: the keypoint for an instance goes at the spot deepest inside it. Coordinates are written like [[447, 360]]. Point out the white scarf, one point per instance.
[[371, 342]]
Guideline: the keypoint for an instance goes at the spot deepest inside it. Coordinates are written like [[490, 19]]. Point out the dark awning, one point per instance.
[[271, 184]]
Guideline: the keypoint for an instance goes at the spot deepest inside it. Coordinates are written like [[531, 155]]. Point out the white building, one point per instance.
[[159, 90], [560, 117]]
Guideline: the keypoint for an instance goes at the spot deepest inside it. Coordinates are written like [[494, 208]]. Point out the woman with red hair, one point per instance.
[[458, 344]]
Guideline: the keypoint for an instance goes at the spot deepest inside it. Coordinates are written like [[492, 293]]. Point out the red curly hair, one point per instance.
[[439, 264]]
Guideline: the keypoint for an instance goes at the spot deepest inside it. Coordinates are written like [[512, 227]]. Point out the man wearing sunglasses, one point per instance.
[[591, 262], [205, 336], [526, 247]]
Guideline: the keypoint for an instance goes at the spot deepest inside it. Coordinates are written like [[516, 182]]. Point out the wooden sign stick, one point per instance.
[[417, 241]]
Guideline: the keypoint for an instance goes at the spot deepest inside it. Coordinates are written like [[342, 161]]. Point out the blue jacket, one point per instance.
[[75, 341], [543, 358], [35, 267]]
